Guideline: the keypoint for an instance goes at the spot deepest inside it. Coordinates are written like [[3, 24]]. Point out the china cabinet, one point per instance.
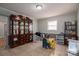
[[20, 30]]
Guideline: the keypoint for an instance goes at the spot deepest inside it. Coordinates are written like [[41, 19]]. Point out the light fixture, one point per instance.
[[39, 7]]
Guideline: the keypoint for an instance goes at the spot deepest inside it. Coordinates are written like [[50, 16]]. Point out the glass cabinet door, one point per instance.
[[22, 27], [15, 27], [26, 27], [10, 29], [31, 28]]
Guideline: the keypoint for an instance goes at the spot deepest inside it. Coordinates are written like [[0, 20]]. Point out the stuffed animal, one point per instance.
[[52, 42]]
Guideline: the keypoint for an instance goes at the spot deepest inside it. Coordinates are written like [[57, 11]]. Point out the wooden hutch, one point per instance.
[[20, 30]]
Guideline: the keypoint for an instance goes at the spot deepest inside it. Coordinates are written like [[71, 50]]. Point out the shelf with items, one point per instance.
[[70, 31]]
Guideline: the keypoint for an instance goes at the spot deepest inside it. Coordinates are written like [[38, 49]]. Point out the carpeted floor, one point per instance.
[[34, 49]]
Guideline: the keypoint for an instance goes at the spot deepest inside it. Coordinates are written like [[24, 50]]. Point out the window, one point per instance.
[[52, 25]]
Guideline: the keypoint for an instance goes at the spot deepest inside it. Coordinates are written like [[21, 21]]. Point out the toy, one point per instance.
[[45, 43], [52, 42]]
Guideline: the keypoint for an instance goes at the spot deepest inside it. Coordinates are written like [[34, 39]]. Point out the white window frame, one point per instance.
[[52, 25]]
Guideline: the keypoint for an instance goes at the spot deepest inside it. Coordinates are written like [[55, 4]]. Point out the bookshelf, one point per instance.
[[70, 31]]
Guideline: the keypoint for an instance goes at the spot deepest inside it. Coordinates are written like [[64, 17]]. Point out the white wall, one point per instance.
[[78, 21], [3, 30], [3, 21], [35, 29], [42, 23]]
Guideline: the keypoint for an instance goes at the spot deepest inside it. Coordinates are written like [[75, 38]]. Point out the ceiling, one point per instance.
[[48, 10]]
